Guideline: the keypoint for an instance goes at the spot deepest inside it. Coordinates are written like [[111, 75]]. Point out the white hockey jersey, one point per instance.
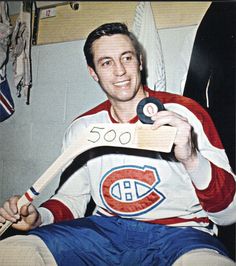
[[142, 185]]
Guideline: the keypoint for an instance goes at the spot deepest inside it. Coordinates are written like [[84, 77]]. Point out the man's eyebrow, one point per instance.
[[109, 57], [103, 58], [127, 52]]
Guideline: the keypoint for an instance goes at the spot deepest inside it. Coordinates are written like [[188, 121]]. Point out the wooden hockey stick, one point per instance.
[[137, 136]]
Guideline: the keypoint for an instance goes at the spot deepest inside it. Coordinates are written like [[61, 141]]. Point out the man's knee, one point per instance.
[[25, 251], [203, 257]]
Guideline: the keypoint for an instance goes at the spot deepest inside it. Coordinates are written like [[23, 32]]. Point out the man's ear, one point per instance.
[[93, 74], [141, 63]]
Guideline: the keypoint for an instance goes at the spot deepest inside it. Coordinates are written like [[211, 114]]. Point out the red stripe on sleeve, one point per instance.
[[60, 211], [220, 192]]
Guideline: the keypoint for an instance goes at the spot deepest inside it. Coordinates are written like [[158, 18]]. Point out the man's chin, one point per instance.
[[125, 98]]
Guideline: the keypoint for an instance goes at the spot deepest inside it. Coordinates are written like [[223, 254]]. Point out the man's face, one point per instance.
[[117, 68]]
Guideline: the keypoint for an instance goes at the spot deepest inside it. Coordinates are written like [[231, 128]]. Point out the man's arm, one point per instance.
[[208, 167]]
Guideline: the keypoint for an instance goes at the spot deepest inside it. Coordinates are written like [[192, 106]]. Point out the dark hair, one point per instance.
[[109, 29]]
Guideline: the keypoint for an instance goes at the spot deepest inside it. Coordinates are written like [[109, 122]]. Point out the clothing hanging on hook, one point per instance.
[[21, 50], [6, 101]]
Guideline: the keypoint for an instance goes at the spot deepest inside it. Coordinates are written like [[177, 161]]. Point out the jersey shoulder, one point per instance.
[[104, 106], [190, 104]]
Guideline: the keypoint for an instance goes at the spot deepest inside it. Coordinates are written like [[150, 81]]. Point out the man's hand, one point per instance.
[[26, 219], [184, 149]]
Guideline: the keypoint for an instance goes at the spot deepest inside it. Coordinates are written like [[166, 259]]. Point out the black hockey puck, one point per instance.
[[148, 107]]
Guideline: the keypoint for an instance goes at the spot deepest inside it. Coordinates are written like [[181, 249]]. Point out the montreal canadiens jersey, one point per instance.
[[142, 185]]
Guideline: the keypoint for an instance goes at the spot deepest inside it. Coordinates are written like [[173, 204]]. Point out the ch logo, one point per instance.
[[131, 190]]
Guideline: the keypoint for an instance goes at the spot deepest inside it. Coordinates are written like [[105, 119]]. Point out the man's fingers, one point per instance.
[[5, 215], [13, 204], [168, 118], [183, 142], [9, 210], [24, 211]]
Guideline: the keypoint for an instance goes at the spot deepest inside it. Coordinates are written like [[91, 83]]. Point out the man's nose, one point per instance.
[[119, 69]]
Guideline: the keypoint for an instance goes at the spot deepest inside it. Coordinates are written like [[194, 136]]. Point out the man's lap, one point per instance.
[[109, 241]]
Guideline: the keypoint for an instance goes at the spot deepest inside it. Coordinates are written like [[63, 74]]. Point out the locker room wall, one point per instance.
[[70, 25]]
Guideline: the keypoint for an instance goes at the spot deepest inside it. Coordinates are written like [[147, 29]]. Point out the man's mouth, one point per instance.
[[122, 83]]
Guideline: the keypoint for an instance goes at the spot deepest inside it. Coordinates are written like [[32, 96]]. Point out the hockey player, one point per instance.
[[149, 210]]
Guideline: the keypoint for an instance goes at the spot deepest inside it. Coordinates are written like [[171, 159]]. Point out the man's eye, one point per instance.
[[106, 63], [127, 58]]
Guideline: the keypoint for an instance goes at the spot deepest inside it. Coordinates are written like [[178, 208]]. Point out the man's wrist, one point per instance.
[[200, 174], [38, 221], [46, 217], [191, 164]]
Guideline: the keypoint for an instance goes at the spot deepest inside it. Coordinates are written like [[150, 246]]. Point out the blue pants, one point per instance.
[[97, 240]]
